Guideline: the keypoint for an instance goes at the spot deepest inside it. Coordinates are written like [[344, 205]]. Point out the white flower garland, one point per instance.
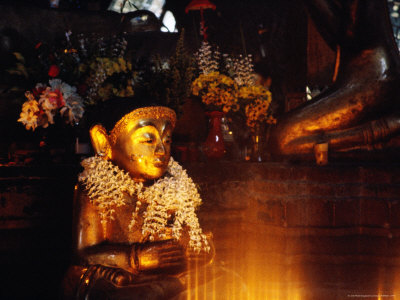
[[241, 69], [207, 59], [108, 186]]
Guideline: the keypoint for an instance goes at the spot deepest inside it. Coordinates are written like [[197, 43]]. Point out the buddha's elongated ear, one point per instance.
[[100, 141]]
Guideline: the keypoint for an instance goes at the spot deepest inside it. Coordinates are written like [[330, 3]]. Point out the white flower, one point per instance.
[[207, 59], [241, 69], [175, 193], [70, 103], [48, 107], [73, 108]]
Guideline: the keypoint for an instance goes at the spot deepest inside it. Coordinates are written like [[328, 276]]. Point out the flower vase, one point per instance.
[[241, 139], [258, 140], [214, 146]]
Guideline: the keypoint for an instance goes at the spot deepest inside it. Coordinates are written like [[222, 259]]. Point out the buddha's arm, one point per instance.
[[93, 247], [90, 243]]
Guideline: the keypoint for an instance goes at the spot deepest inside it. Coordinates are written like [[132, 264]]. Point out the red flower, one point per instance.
[[40, 112], [38, 91], [53, 71]]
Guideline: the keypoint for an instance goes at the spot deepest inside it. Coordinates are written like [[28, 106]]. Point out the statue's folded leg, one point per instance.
[[364, 136], [164, 288], [103, 283]]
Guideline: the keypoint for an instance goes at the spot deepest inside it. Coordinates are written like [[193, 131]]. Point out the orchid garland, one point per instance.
[[207, 59], [175, 194], [242, 69]]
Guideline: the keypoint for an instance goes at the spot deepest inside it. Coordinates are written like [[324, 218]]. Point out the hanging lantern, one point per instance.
[[201, 5]]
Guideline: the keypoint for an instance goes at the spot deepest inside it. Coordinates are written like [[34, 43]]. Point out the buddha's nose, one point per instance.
[[160, 149]]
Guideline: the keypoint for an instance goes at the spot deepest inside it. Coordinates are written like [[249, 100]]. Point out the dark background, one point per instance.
[[36, 201], [276, 33]]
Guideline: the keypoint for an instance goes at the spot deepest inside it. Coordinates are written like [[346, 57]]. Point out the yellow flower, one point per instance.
[[226, 108], [115, 67], [122, 64], [129, 91], [28, 115]]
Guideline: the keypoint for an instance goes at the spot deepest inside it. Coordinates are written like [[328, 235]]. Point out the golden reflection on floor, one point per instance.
[[282, 266]]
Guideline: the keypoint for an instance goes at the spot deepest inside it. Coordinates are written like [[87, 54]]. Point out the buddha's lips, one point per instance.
[[159, 163]]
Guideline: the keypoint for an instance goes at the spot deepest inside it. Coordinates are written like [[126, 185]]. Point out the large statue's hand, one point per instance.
[[166, 255]]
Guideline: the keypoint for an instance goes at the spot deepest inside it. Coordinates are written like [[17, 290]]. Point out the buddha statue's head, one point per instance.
[[139, 142]]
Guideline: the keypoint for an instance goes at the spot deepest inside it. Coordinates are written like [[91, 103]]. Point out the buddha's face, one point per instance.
[[143, 148]]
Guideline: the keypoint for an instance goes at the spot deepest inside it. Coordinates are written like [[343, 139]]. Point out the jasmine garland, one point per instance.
[[174, 194]]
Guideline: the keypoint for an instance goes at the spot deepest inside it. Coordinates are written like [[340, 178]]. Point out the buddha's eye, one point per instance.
[[167, 140], [147, 140]]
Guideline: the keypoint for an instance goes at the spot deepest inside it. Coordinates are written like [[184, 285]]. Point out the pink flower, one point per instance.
[[53, 71], [56, 97]]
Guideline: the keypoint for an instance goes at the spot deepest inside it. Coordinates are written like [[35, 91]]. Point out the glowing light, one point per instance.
[[154, 6], [169, 22]]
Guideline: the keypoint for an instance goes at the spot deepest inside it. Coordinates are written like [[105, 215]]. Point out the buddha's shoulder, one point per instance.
[[83, 196]]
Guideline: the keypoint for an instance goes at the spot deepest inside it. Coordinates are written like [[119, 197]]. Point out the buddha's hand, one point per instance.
[[152, 256], [119, 277]]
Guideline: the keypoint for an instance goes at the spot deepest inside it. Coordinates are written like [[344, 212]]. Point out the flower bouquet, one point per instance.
[[254, 101], [96, 66], [56, 103], [45, 102], [234, 92], [81, 72], [217, 91]]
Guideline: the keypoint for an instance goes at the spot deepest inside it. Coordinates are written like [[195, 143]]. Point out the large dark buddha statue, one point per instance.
[[135, 229], [360, 109]]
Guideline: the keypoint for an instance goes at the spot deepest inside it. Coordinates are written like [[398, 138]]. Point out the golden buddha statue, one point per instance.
[[135, 227]]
